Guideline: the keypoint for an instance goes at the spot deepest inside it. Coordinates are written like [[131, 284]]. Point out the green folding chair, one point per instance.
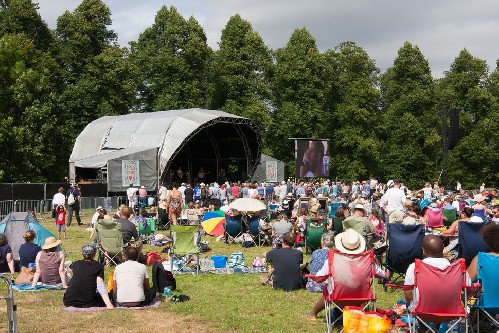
[[109, 241], [314, 228], [185, 243], [451, 215]]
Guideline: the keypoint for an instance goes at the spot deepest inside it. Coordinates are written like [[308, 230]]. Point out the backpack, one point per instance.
[[71, 199], [236, 260], [161, 278]]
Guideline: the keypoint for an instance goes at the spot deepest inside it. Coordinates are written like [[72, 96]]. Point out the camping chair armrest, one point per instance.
[[404, 287], [317, 278]]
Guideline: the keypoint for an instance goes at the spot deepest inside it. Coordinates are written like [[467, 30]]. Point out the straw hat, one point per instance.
[[315, 208], [360, 207], [50, 242], [350, 242]]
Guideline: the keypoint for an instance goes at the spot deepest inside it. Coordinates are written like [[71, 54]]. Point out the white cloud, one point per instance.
[[440, 28]]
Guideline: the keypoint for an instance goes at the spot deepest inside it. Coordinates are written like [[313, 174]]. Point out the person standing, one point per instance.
[[189, 194], [57, 200], [74, 191], [162, 192], [131, 194], [143, 197]]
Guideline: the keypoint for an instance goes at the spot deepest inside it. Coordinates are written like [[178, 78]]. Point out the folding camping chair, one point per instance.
[[470, 241], [233, 227], [439, 300], [333, 206], [488, 298], [147, 227], [185, 243], [450, 216], [404, 246], [11, 307], [314, 228], [353, 277], [258, 237], [109, 241], [434, 218]]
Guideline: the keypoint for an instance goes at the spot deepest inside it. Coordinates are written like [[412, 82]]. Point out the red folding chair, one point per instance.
[[352, 277], [439, 294]]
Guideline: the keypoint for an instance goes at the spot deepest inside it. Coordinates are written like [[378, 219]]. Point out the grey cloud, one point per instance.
[[440, 28]]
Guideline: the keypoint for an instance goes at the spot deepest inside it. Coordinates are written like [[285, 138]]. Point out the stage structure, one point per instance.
[[147, 148]]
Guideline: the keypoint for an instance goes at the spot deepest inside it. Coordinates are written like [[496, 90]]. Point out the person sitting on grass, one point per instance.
[[28, 250], [50, 264], [6, 258], [86, 288], [285, 265], [131, 282]]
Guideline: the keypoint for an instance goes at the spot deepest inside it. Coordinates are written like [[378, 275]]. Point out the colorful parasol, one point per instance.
[[213, 223]]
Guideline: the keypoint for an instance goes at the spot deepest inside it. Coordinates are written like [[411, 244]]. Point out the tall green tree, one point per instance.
[[410, 125], [353, 97], [29, 126], [21, 17], [299, 95], [172, 56], [98, 76], [468, 87], [239, 73]]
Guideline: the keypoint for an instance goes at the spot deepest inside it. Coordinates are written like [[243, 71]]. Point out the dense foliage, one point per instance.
[[386, 125]]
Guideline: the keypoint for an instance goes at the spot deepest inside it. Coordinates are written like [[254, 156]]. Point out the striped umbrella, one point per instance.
[[212, 223]]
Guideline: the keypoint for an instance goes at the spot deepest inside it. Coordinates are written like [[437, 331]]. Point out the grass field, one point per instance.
[[219, 303]]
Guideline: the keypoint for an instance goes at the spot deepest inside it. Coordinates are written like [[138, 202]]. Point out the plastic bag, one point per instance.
[[354, 320]]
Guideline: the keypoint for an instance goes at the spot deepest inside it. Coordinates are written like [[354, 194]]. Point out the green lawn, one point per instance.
[[235, 302]]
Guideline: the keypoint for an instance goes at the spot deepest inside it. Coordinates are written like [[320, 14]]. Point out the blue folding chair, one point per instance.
[[470, 241], [404, 246], [233, 227], [488, 300], [333, 206]]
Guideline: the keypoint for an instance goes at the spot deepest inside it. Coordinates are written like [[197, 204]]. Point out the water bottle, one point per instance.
[[167, 292]]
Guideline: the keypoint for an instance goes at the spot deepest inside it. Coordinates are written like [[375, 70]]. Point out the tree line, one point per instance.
[[383, 124]]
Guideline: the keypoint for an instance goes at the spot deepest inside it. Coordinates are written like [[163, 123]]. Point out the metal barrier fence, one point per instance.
[[41, 207], [6, 207]]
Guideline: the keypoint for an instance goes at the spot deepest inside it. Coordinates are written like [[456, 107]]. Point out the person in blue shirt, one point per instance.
[[28, 250]]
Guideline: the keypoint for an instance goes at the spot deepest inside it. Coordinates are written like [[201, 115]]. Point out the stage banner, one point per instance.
[[311, 158], [130, 172], [271, 171]]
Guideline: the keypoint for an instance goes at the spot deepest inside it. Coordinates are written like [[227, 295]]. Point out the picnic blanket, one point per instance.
[[38, 287], [155, 304]]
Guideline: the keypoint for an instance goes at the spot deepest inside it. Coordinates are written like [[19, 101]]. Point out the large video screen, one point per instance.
[[311, 158]]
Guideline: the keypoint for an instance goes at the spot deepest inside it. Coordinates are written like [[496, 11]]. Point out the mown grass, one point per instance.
[[225, 302]]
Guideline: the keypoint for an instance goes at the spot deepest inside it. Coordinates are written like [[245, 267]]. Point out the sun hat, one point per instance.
[[478, 198], [396, 216], [389, 183], [50, 242], [283, 182], [433, 205], [475, 219], [98, 208], [360, 207], [350, 242], [88, 249]]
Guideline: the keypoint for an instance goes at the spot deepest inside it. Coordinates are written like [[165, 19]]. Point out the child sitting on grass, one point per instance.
[[61, 220]]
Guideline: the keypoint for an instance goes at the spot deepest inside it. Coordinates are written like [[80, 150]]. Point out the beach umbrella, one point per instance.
[[248, 205], [212, 223]]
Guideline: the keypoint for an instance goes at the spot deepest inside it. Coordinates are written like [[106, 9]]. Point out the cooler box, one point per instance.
[[219, 261]]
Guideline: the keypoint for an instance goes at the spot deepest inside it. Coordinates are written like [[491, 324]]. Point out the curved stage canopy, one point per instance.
[[157, 145]]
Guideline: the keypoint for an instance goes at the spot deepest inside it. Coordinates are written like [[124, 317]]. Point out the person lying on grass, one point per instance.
[[86, 288]]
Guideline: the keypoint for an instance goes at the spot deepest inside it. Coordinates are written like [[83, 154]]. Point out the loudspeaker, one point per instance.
[[453, 128]]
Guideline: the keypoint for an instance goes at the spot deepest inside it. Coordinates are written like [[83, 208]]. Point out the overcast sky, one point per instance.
[[440, 28]]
